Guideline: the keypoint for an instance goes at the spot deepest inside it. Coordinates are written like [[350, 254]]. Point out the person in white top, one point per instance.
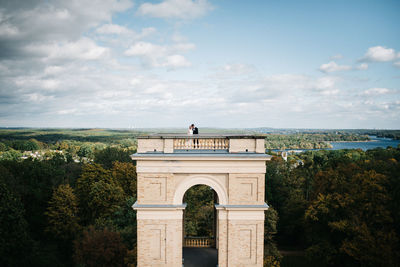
[[190, 130], [189, 141]]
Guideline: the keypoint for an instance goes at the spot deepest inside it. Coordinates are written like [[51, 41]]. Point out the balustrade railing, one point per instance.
[[201, 143], [199, 242]]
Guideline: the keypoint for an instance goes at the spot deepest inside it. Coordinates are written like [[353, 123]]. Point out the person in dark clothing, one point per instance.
[[195, 141], [195, 129]]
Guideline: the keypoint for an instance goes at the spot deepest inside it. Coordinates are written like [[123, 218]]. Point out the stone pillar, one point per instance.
[[159, 236], [222, 236], [241, 235]]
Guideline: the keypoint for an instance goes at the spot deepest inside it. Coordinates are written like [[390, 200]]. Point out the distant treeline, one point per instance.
[[52, 136], [309, 141], [76, 144]]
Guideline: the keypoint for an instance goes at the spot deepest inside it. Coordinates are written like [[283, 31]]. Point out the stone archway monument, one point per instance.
[[169, 164]]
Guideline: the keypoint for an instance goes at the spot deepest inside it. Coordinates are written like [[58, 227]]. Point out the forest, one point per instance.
[[70, 203]]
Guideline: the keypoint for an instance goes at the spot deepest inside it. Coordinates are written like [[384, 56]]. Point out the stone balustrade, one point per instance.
[[201, 143], [199, 242], [177, 143]]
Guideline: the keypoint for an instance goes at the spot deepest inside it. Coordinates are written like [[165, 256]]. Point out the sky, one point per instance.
[[215, 63]]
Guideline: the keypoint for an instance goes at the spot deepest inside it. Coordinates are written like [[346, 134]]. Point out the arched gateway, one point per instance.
[[169, 164]]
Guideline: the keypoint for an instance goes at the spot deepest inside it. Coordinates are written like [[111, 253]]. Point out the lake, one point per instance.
[[376, 142]]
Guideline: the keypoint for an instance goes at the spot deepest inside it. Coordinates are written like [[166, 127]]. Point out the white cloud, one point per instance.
[[376, 91], [161, 56], [337, 56], [326, 83], [145, 49], [238, 68], [379, 54], [397, 64], [37, 97], [51, 70], [332, 67], [83, 49], [113, 29], [8, 30], [50, 84], [362, 66], [176, 61], [180, 9]]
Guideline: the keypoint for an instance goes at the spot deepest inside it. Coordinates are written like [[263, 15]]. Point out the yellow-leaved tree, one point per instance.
[[62, 213]]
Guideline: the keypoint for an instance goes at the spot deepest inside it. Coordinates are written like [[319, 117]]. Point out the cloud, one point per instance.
[[176, 61], [376, 91], [278, 89], [67, 64], [7, 30], [332, 67], [35, 23], [113, 29], [362, 66], [177, 9], [337, 56], [84, 49], [238, 69], [161, 56], [397, 64], [379, 54]]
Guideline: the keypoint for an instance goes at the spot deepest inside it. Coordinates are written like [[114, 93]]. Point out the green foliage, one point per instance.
[[122, 221], [199, 213], [11, 154], [309, 140], [272, 257], [62, 213], [99, 193], [3, 147], [26, 145], [125, 175], [104, 199], [107, 156], [100, 248], [15, 242], [342, 206], [85, 150], [352, 204]]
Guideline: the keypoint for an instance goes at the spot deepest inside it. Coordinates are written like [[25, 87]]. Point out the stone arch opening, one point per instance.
[[193, 180], [199, 226]]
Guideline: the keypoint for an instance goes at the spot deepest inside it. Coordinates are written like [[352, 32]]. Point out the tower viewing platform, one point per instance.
[[205, 143], [233, 165]]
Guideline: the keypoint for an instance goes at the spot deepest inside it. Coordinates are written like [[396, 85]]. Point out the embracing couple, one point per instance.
[[193, 129]]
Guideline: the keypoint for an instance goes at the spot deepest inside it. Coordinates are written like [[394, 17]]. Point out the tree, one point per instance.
[[15, 242], [99, 194], [350, 218], [199, 212], [272, 256], [107, 156], [85, 151], [3, 147], [11, 154], [104, 199], [62, 213], [100, 248], [91, 173], [125, 175]]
